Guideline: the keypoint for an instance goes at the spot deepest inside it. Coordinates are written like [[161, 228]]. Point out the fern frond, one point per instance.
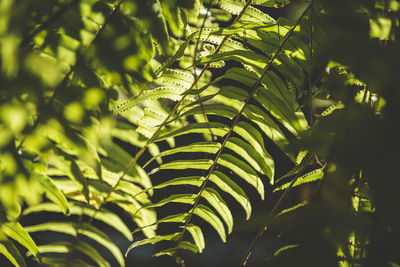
[[232, 103]]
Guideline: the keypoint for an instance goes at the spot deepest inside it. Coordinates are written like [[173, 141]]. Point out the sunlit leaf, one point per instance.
[[244, 171], [197, 236], [152, 240], [216, 201], [19, 234], [209, 216], [227, 185], [103, 215], [87, 230], [53, 193], [8, 249]]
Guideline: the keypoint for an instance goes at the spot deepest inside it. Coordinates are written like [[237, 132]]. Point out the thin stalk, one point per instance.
[[253, 90], [286, 192], [272, 214], [310, 47], [194, 67]]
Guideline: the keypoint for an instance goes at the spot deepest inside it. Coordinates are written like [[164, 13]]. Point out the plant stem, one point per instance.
[[272, 213], [285, 193], [310, 46], [194, 67]]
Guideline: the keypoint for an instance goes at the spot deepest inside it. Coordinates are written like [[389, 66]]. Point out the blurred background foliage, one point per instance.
[[66, 194]]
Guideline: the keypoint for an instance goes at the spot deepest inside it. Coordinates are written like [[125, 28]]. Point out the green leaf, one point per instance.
[[267, 3], [175, 78], [332, 108], [285, 248], [218, 203], [200, 164], [243, 56], [92, 253], [267, 126], [274, 97], [153, 240], [188, 246], [295, 207], [53, 193], [64, 247], [102, 215], [151, 12], [191, 180], [290, 69], [302, 154], [197, 236], [244, 171], [58, 247], [251, 13], [19, 234], [312, 176], [230, 187], [8, 249], [207, 147], [247, 152], [255, 139], [68, 166], [157, 93], [214, 109], [65, 262], [209, 216], [175, 198], [218, 129], [175, 218], [87, 230], [116, 162], [296, 168], [168, 251]]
